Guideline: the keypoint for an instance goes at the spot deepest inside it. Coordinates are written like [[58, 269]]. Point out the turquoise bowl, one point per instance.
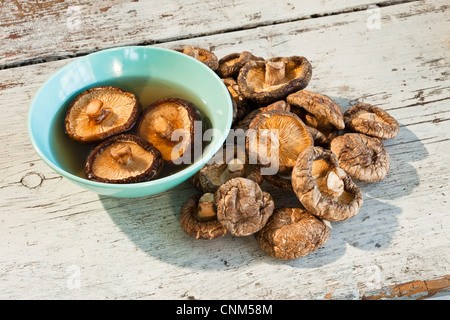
[[108, 67]]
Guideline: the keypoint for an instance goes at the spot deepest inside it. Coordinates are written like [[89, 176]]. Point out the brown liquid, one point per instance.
[[72, 155]]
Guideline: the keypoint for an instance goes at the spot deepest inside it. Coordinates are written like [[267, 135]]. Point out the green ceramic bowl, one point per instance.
[[129, 68]]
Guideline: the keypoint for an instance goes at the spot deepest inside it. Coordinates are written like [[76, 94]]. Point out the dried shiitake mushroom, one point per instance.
[[279, 180], [292, 233], [278, 138], [201, 54], [273, 79], [198, 218], [99, 113], [123, 158], [242, 207], [324, 188], [241, 106], [364, 158], [244, 123], [323, 117], [231, 64], [371, 120], [169, 124], [212, 176]]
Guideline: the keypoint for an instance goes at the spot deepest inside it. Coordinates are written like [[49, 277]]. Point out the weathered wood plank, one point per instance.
[[36, 30], [54, 233]]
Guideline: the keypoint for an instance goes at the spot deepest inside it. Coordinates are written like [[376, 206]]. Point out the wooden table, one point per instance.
[[59, 241]]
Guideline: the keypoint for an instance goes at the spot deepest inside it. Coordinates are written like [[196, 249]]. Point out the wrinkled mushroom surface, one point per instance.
[[99, 113], [231, 64], [169, 124], [242, 207], [371, 120], [241, 106], [198, 218], [324, 188], [267, 81], [364, 158], [277, 138], [292, 233], [323, 117], [124, 158], [201, 54]]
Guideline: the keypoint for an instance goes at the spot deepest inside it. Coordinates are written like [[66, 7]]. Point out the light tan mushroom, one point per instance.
[[99, 113], [203, 55]]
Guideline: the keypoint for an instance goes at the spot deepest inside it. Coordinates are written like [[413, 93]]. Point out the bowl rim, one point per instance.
[[188, 171]]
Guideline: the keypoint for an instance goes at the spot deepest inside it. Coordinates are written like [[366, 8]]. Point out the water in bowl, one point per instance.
[[71, 155]]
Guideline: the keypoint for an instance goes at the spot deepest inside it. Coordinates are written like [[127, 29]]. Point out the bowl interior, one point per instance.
[[152, 74]]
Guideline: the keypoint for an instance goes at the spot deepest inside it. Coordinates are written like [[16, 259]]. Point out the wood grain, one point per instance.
[[34, 31], [59, 241]]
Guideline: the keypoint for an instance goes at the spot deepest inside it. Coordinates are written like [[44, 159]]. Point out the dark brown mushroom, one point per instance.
[[323, 188], [99, 113], [123, 158], [322, 115], [244, 123], [201, 54], [279, 180], [213, 175], [371, 120], [267, 81], [169, 124], [242, 207], [198, 218], [277, 139], [241, 107], [292, 233], [231, 64], [364, 158]]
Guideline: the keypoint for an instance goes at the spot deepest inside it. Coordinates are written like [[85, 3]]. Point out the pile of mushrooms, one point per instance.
[[320, 151], [128, 146]]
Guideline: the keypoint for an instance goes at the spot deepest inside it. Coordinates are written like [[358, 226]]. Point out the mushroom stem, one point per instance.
[[275, 72], [235, 168], [162, 126], [96, 112], [122, 154], [206, 209]]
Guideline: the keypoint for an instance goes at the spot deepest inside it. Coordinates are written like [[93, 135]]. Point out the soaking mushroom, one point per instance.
[[242, 207], [99, 113], [267, 81], [364, 158], [231, 64], [169, 124], [277, 139], [324, 188], [212, 176], [292, 233], [323, 117], [241, 106], [198, 218], [371, 120], [201, 54], [124, 158]]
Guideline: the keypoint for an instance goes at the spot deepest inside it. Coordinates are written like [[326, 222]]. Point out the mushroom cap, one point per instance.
[[327, 119], [231, 64], [242, 207], [311, 169], [241, 107], [102, 166], [278, 138], [122, 112], [281, 181], [256, 86], [371, 120], [201, 54], [244, 123], [181, 116], [204, 230], [292, 233], [364, 158]]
